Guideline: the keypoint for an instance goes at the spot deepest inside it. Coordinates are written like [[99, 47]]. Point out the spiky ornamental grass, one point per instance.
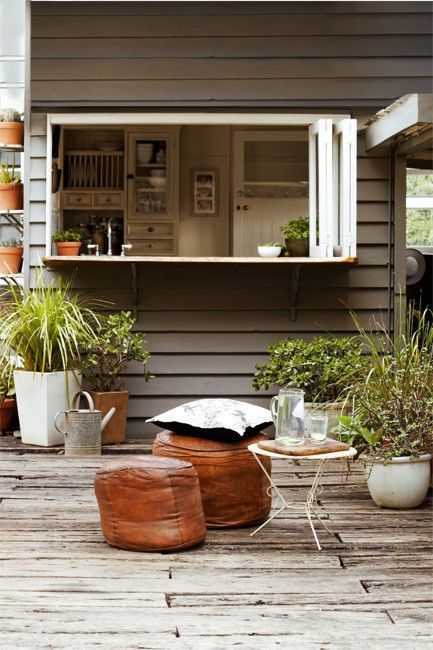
[[46, 326], [392, 412]]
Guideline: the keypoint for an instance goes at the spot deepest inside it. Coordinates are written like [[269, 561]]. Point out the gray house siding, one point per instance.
[[207, 330]]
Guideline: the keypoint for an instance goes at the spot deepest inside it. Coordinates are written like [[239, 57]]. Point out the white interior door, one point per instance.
[[270, 185]]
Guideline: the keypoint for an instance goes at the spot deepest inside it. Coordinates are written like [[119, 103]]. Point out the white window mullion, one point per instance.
[[321, 190], [345, 219]]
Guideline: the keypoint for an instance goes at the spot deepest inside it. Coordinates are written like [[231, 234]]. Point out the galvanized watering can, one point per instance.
[[83, 427]]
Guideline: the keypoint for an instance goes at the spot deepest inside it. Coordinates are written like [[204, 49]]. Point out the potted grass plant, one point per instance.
[[11, 188], [42, 328], [68, 242], [11, 255], [104, 361], [11, 127], [270, 249], [7, 395], [296, 233], [391, 423], [324, 368]]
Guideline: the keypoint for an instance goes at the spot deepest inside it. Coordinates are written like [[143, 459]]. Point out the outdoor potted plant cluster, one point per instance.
[[11, 127], [296, 233], [324, 368], [68, 242], [54, 337], [11, 255], [391, 420], [104, 360], [7, 395], [11, 188]]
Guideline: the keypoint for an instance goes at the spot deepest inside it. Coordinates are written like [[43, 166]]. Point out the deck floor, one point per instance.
[[61, 586]]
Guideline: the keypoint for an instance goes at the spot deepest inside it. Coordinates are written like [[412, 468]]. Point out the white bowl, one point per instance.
[[158, 181], [269, 251]]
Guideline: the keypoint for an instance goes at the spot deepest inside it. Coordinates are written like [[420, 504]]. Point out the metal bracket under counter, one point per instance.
[[292, 264]]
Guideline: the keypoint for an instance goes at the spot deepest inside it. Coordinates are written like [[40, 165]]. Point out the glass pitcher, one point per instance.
[[287, 410]]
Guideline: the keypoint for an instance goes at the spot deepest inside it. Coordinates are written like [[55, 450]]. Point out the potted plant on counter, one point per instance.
[[11, 255], [296, 233], [391, 424], [272, 249], [11, 128], [42, 328], [324, 368], [104, 361], [68, 242], [7, 395], [11, 188]]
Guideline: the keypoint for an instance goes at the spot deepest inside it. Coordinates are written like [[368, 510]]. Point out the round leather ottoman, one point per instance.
[[150, 504], [233, 486]]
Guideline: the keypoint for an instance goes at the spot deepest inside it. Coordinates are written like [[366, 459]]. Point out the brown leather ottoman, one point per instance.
[[150, 504], [233, 487]]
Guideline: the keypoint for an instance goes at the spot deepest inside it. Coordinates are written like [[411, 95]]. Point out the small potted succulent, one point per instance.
[[11, 127], [11, 254], [272, 249], [103, 363], [391, 422], [324, 368], [68, 242], [11, 188], [7, 395], [296, 234]]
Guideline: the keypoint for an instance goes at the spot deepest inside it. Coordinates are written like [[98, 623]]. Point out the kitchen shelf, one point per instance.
[[12, 148], [154, 165], [54, 261]]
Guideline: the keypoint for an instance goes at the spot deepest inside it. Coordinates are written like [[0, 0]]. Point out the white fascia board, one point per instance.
[[199, 118], [415, 109]]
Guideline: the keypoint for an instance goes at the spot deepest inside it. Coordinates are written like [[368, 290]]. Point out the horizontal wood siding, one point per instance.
[[217, 53]]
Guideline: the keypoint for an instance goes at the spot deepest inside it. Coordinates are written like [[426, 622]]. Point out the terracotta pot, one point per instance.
[[69, 248], [12, 133], [10, 259], [7, 410], [114, 432], [11, 196], [298, 247]]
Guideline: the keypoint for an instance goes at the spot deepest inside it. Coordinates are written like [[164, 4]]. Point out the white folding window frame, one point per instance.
[[345, 163]]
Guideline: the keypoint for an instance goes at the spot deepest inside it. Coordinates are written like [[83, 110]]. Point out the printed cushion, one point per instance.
[[226, 419]]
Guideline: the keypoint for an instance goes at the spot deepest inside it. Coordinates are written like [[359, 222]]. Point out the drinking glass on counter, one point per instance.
[[317, 428]]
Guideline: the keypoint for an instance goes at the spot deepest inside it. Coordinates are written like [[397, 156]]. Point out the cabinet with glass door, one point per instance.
[[153, 191]]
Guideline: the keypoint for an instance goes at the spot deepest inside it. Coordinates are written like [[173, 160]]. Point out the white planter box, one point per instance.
[[39, 397], [402, 483]]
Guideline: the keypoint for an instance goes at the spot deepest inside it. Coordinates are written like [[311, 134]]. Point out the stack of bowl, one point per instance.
[[144, 152], [157, 178]]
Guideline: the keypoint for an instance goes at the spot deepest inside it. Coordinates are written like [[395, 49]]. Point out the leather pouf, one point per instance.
[[233, 486], [150, 504]]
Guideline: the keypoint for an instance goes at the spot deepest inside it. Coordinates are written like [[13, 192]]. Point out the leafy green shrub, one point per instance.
[[392, 412], [66, 236], [116, 345], [296, 229], [323, 367]]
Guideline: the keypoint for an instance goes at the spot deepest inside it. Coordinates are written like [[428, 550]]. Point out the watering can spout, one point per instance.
[[108, 417]]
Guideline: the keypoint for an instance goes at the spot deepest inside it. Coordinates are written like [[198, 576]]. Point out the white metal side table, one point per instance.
[[311, 506]]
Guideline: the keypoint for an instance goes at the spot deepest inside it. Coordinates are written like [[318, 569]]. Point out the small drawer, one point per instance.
[[150, 230], [77, 199], [152, 247], [109, 199]]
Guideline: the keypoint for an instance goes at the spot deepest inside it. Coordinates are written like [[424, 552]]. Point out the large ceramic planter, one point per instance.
[[401, 483], [298, 247], [7, 409], [39, 397], [71, 248], [114, 432], [10, 259], [11, 196], [331, 409], [12, 133]]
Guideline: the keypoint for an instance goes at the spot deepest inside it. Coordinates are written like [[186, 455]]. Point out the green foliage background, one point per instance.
[[419, 223]]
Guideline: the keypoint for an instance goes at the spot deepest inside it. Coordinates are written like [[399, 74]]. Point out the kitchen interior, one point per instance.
[[186, 191]]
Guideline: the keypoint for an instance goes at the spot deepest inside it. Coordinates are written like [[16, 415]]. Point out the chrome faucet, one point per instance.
[[91, 247], [109, 235]]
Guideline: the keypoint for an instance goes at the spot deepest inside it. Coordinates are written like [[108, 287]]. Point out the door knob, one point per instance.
[[245, 207]]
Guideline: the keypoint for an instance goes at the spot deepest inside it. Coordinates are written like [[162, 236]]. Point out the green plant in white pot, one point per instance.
[[323, 367], [391, 424], [42, 329]]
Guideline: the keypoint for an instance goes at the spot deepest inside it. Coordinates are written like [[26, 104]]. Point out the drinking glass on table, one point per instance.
[[318, 426], [287, 410]]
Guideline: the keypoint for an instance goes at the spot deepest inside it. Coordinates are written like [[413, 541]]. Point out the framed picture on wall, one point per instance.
[[204, 192]]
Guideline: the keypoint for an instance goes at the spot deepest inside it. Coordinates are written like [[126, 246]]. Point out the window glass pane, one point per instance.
[[419, 208], [419, 227], [419, 184]]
